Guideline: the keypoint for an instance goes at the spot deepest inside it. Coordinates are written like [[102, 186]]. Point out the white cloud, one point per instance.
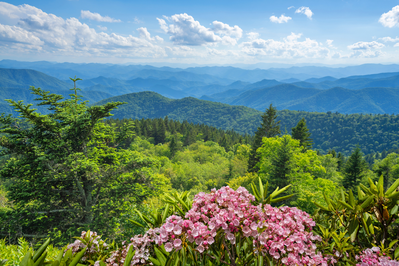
[[184, 30], [290, 7], [391, 18], [396, 45], [144, 34], [69, 36], [366, 49], [329, 43], [290, 47], [102, 28], [366, 45], [305, 10], [389, 39], [18, 35], [281, 19], [225, 30], [253, 35], [95, 16]]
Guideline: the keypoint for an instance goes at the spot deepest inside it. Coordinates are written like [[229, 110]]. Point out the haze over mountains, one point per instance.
[[370, 88]]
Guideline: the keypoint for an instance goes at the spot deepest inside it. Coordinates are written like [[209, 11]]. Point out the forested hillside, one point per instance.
[[342, 132]]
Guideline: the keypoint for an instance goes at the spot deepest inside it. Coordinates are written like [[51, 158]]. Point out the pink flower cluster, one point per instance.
[[373, 257], [96, 246], [141, 244], [283, 233], [287, 237]]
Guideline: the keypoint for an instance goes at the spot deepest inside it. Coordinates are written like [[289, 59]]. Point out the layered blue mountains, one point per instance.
[[365, 89]]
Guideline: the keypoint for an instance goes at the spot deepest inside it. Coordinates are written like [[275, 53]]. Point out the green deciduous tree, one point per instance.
[[269, 128], [301, 133], [68, 172]]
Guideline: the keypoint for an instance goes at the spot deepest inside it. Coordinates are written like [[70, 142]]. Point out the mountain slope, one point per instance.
[[24, 78]]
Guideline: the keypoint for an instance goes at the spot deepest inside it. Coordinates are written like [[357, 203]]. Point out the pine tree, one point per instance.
[[354, 170], [301, 133], [281, 167], [269, 128], [173, 147], [67, 173]]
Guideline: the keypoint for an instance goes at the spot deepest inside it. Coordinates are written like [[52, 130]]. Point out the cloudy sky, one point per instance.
[[201, 32]]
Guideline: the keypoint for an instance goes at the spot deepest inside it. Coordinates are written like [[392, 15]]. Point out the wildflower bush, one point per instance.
[[234, 227]]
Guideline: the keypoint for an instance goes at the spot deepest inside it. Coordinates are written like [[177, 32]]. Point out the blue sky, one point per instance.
[[201, 32]]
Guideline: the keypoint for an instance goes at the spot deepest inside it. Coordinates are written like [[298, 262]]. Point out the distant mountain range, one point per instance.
[[214, 74], [371, 93]]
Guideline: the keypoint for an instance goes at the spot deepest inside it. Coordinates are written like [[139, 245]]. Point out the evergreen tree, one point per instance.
[[340, 162], [173, 147], [301, 133], [160, 132], [269, 128], [190, 137], [354, 170], [281, 167], [67, 173]]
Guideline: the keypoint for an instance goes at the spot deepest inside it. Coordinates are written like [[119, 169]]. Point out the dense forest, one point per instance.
[[341, 132], [75, 169]]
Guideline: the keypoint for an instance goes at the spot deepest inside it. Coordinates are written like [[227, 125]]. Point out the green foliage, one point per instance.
[[354, 170], [370, 220], [388, 168], [269, 128], [67, 170], [301, 133]]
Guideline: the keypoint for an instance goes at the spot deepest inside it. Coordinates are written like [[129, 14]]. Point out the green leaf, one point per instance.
[[40, 261], [353, 229], [396, 253], [77, 257], [346, 205], [155, 261], [136, 223], [393, 187], [262, 195], [351, 199], [26, 258], [160, 256], [367, 202], [40, 251], [281, 198]]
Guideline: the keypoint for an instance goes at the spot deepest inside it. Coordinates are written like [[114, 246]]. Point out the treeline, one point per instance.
[[162, 130], [342, 132]]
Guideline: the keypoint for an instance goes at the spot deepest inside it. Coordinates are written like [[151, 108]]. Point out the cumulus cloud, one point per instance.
[[253, 35], [389, 39], [366, 45], [69, 36], [18, 35], [184, 30], [366, 49], [305, 10], [281, 19], [391, 18], [290, 47], [144, 34], [95, 16]]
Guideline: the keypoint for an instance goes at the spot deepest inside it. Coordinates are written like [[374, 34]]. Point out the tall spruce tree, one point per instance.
[[354, 170], [269, 128], [67, 172], [281, 166], [301, 133]]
